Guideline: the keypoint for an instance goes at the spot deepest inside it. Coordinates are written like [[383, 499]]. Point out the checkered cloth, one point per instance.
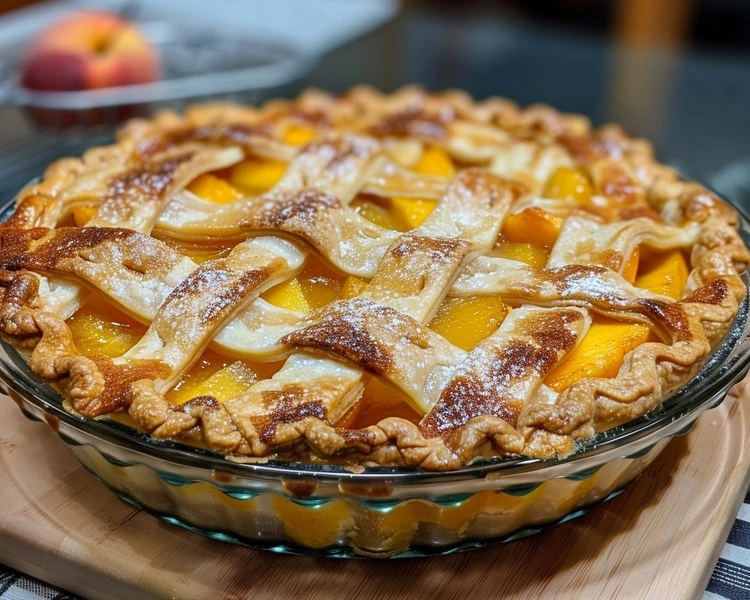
[[17, 586], [731, 576], [730, 579]]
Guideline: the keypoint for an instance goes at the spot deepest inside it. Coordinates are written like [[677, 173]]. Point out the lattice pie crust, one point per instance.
[[490, 400]]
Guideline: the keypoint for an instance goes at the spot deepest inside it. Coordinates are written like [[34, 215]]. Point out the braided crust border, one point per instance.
[[614, 161]]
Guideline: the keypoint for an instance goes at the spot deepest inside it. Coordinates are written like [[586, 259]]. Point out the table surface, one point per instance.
[[692, 104]]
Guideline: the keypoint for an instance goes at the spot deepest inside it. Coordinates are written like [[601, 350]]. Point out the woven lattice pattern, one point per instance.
[[123, 224]]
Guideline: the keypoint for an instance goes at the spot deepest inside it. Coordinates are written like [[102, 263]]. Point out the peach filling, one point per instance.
[[467, 320], [370, 208], [379, 401], [313, 288], [216, 376], [210, 187], [664, 273], [603, 348], [101, 330], [255, 175], [83, 214], [532, 226], [299, 135], [527, 236], [569, 184], [352, 287], [525, 252], [600, 353], [403, 213]]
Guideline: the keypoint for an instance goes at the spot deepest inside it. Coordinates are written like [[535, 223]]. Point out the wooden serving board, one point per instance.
[[659, 539]]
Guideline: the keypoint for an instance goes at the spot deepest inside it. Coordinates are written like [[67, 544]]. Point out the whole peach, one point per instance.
[[88, 51]]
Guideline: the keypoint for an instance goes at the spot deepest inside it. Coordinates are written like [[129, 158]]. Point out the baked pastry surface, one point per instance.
[[408, 279]]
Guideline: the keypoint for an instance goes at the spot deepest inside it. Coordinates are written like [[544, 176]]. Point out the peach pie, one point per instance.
[[410, 279]]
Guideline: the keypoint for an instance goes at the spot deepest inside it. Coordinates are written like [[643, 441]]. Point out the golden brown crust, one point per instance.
[[486, 402]]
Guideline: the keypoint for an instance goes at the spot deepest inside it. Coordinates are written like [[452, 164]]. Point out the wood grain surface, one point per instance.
[[659, 539]]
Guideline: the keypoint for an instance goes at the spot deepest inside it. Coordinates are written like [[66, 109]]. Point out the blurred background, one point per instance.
[[674, 71]]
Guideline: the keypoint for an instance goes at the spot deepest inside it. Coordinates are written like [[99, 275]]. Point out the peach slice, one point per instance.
[[83, 214], [378, 402], [210, 187], [224, 383], [568, 184], [522, 252], [630, 270], [299, 135], [313, 288], [353, 287], [435, 161], [376, 213], [320, 285], [600, 353], [664, 273], [602, 350], [350, 416], [288, 295], [466, 321], [532, 226], [256, 175], [411, 212], [102, 330]]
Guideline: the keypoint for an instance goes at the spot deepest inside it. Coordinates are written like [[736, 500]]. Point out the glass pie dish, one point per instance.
[[373, 511], [373, 324]]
